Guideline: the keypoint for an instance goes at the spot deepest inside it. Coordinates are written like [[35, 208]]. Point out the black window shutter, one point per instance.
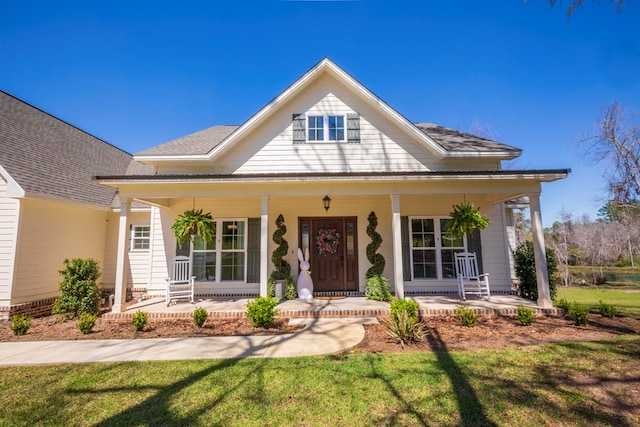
[[353, 128], [475, 245], [406, 256], [299, 129], [253, 250]]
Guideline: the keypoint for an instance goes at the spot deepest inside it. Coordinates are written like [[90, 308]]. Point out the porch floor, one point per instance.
[[430, 305]]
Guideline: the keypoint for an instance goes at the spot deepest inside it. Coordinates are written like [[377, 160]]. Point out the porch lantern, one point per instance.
[[326, 202]]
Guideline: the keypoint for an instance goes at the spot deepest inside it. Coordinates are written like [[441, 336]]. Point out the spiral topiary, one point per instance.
[[377, 260], [282, 267]]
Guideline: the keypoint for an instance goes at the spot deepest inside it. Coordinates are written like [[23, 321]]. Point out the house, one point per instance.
[[50, 209], [325, 139]]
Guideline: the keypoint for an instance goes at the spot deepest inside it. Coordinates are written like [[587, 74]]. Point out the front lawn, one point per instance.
[[579, 383], [627, 303]]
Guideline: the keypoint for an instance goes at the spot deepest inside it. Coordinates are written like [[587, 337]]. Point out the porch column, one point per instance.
[[396, 232], [122, 258], [540, 256], [264, 246]]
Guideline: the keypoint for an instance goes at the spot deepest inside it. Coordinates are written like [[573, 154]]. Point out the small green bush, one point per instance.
[[87, 322], [261, 311], [79, 292], [20, 324], [525, 267], [200, 315], [378, 288], [562, 303], [579, 313], [290, 291], [404, 328], [607, 310], [408, 306], [525, 315], [467, 316], [139, 320]]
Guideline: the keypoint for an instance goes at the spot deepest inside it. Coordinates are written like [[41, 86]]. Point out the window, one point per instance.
[[325, 128], [140, 237], [225, 258], [432, 249]]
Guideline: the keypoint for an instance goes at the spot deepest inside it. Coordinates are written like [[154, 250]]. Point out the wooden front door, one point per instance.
[[335, 268]]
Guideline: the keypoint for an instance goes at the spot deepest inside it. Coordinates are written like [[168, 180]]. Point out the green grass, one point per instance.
[[626, 303], [557, 384]]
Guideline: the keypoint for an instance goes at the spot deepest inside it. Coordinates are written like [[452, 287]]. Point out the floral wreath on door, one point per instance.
[[327, 241]]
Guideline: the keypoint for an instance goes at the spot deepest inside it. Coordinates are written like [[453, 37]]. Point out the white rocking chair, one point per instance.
[[180, 285], [469, 280]]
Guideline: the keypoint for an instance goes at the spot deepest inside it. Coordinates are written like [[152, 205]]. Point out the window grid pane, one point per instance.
[[336, 128], [316, 128], [233, 235], [232, 266], [424, 264], [204, 266]]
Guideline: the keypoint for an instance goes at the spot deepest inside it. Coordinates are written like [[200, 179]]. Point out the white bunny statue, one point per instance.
[[305, 282]]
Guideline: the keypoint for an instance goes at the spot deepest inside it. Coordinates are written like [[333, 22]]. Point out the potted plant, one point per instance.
[[194, 223], [465, 219]]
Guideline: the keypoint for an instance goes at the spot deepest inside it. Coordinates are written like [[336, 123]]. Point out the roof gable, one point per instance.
[[48, 157]]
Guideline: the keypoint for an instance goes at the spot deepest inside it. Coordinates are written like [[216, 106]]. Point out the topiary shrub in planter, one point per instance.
[[262, 311], [378, 289], [80, 294], [377, 260], [281, 267], [526, 271]]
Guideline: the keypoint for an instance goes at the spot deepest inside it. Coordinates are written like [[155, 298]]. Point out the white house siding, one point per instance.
[[160, 254], [383, 147], [73, 231], [138, 273], [9, 214]]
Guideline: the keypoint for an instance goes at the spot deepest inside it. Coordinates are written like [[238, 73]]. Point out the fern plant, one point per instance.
[[194, 223], [465, 218]]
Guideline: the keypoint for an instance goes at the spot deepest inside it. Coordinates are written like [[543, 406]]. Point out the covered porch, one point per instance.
[[429, 305]]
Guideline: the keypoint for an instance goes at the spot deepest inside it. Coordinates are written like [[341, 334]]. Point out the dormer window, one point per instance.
[[325, 128], [319, 128]]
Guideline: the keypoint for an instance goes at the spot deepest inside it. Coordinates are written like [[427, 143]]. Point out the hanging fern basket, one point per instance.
[[465, 219], [194, 223]]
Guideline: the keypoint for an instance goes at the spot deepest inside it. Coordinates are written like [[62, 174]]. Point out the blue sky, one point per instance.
[[140, 73]]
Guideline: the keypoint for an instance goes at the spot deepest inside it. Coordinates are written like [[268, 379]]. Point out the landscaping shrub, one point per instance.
[[20, 324], [404, 328], [79, 292], [467, 316], [377, 260], [606, 310], [562, 303], [200, 315], [526, 271], [261, 311], [378, 288], [87, 322], [399, 306], [525, 315], [290, 291], [139, 320], [579, 313]]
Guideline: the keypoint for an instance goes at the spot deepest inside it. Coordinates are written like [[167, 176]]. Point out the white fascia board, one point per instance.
[[14, 189]]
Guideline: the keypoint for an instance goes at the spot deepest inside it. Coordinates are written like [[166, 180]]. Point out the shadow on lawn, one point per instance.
[[471, 410]]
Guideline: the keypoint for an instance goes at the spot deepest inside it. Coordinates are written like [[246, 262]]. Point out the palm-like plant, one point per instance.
[[194, 223]]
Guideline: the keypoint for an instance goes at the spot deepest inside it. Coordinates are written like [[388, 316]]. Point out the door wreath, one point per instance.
[[327, 241]]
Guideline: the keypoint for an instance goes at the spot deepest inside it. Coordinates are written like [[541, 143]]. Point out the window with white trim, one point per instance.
[[140, 237], [225, 258], [433, 249], [325, 128]]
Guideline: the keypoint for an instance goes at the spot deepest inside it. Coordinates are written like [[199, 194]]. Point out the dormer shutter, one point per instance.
[[353, 128], [299, 129]]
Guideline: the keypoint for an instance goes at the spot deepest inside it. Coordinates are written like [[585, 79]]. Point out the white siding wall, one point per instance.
[[9, 214], [139, 269], [50, 232]]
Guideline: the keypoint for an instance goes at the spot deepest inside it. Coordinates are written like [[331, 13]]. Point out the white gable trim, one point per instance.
[[13, 188], [323, 66]]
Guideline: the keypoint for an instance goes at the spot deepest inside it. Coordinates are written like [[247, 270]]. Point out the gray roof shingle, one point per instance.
[[49, 157], [453, 140], [196, 143]]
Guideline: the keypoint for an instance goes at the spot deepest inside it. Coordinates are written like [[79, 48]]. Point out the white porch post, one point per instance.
[[264, 246], [122, 258], [396, 229], [540, 256]]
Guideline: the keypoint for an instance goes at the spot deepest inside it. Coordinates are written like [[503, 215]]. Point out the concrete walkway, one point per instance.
[[320, 336]]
